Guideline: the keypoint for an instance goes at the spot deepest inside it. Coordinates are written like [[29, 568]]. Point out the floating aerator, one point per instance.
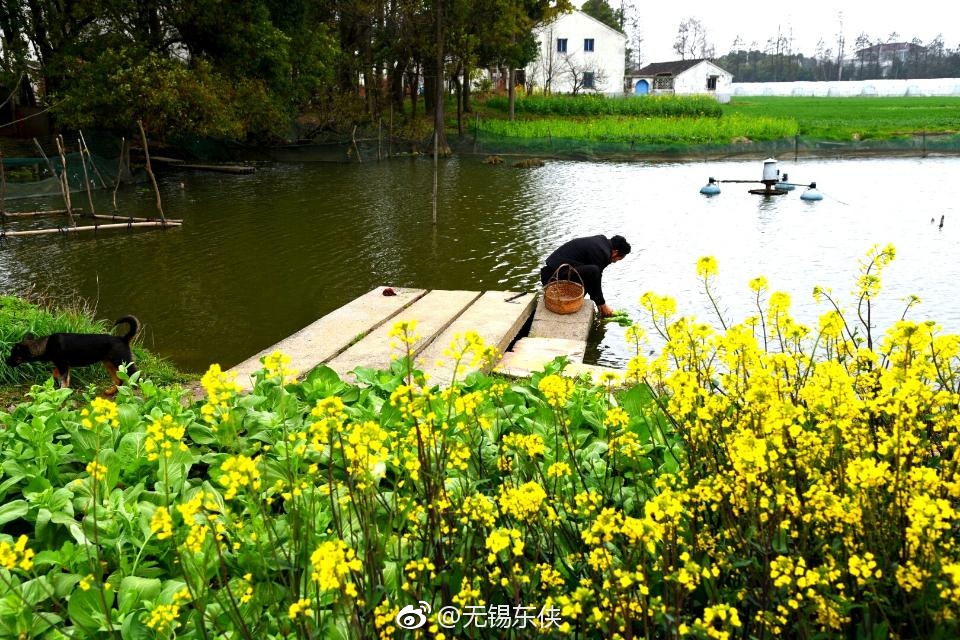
[[811, 193], [711, 188]]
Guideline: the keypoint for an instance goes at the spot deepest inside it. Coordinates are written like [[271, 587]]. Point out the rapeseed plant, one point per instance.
[[757, 478]]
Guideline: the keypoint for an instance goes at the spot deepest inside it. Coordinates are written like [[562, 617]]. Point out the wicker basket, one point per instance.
[[563, 296]]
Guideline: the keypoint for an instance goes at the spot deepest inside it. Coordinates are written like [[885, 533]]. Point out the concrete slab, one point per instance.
[[497, 316], [333, 333], [531, 354], [571, 326], [434, 312]]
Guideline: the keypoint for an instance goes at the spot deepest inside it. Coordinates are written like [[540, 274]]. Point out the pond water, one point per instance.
[[260, 256]]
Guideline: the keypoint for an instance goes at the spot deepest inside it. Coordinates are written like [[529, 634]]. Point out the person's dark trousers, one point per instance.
[[590, 275]]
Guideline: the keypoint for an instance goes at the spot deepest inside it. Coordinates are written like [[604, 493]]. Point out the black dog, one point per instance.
[[66, 350]]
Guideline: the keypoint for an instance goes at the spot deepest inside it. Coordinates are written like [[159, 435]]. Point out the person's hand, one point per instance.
[[606, 311]]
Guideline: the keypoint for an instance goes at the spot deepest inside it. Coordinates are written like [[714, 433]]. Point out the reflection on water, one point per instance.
[[262, 255]]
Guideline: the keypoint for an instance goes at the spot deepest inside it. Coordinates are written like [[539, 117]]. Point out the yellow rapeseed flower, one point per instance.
[[16, 555], [239, 472], [102, 413], [161, 523], [707, 267], [333, 561]]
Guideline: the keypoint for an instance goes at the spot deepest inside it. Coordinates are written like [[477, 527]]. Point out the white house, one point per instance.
[[682, 77], [578, 54]]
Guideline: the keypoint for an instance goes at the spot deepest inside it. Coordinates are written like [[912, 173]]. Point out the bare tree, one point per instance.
[[841, 40], [862, 44], [692, 40], [581, 76], [546, 65], [630, 25]]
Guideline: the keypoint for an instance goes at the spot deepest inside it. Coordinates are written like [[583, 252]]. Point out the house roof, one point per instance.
[[574, 12], [602, 24], [673, 68], [893, 46]]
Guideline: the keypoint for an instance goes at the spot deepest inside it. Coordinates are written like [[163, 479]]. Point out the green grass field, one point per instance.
[[855, 118], [765, 118], [683, 131]]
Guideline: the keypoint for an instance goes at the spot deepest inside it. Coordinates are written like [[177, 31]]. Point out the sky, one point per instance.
[[810, 20]]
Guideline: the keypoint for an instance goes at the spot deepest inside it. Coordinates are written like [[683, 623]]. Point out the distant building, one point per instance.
[[888, 54], [578, 54], [681, 77]]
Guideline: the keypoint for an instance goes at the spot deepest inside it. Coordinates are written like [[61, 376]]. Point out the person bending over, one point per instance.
[[589, 257]]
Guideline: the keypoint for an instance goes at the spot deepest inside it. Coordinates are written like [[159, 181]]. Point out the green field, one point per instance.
[[876, 121], [855, 118], [683, 131]]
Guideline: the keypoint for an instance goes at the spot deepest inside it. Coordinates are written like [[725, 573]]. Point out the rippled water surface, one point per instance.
[[261, 256]]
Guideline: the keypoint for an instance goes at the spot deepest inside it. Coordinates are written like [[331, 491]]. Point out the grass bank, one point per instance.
[[40, 316]]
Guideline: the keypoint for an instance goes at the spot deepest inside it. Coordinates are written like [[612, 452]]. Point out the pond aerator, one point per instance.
[[773, 184]]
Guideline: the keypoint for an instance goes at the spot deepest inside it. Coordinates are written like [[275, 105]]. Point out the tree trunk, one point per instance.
[[458, 87], [440, 139], [466, 89], [511, 91], [413, 80], [396, 86]]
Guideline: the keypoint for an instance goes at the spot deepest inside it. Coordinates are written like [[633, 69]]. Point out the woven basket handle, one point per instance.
[[556, 274]]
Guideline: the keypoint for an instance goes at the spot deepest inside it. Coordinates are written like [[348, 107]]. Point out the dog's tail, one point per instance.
[[134, 327]]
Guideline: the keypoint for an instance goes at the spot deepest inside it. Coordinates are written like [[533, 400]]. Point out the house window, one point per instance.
[[588, 80], [663, 83], [712, 83], [561, 45], [588, 44]]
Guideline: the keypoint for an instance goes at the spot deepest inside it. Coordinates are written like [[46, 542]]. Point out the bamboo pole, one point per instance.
[[436, 175], [31, 214], [53, 170], [67, 230], [153, 179], [65, 180], [98, 216], [222, 168], [353, 136], [86, 149], [116, 185], [3, 184], [86, 179]]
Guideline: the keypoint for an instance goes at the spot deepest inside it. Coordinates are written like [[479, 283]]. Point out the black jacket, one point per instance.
[[593, 250], [588, 256]]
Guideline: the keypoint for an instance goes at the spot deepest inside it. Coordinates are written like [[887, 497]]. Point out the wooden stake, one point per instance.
[[436, 176], [123, 147], [86, 178], [68, 230], [146, 153], [53, 170], [355, 148], [3, 184], [98, 216], [86, 149], [65, 180], [32, 214]]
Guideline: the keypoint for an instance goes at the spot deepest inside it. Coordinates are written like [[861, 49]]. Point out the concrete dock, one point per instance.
[[357, 334]]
